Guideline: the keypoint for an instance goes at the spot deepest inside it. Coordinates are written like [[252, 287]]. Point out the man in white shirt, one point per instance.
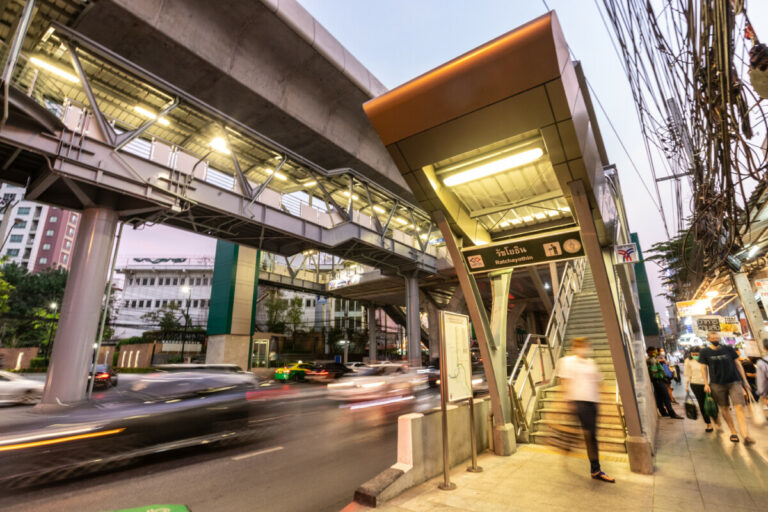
[[581, 379]]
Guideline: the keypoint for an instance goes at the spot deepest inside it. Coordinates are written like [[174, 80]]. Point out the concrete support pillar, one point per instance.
[[751, 310], [433, 317], [499, 316], [513, 316], [638, 445], [413, 322], [371, 310], [81, 307], [554, 278]]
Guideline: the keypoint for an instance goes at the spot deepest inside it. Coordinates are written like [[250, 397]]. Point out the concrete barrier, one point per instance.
[[420, 450]]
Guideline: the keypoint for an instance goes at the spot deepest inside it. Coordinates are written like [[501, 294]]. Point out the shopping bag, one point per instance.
[[667, 371], [710, 406], [690, 408], [756, 408]]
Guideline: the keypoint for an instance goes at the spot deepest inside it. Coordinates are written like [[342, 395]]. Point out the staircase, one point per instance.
[[586, 320]]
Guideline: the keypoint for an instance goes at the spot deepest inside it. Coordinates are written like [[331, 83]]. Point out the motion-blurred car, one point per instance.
[[358, 367], [296, 371], [105, 378], [159, 413], [326, 372], [15, 389], [199, 367], [386, 381]]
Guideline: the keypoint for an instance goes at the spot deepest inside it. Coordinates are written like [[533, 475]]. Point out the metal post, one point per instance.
[[413, 323], [752, 312], [186, 324], [105, 311], [446, 484], [474, 468], [80, 309], [372, 333]]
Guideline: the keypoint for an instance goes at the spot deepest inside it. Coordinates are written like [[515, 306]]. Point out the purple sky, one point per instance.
[[400, 39]]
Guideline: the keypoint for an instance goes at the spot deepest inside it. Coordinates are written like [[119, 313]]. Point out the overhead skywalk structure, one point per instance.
[[501, 147]]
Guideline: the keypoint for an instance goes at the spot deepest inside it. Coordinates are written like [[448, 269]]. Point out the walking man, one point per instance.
[[659, 382], [725, 379], [695, 382], [581, 378]]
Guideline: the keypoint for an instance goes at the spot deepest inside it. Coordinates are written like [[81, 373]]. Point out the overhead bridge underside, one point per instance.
[[72, 170]]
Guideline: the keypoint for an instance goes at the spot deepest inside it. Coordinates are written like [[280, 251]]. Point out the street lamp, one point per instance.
[[188, 291], [53, 307]]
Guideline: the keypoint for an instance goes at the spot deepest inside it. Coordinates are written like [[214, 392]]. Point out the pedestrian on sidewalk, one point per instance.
[[725, 379], [659, 382], [750, 371], [694, 381], [762, 375], [668, 373], [581, 379]]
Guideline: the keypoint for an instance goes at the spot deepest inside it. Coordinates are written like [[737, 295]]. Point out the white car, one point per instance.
[[15, 389], [384, 381]]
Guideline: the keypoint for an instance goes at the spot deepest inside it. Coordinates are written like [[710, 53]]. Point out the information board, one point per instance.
[[521, 252], [707, 324], [456, 370]]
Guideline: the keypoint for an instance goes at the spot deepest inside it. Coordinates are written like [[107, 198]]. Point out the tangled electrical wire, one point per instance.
[[685, 60]]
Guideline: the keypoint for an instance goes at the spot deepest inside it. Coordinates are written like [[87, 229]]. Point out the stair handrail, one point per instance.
[[554, 340]]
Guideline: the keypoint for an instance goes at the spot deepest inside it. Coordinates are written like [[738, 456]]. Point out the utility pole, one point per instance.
[[187, 289]]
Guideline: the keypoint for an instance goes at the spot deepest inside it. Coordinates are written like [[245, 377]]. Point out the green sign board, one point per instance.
[[521, 252]]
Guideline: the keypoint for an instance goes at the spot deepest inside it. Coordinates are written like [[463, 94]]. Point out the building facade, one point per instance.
[[34, 235]]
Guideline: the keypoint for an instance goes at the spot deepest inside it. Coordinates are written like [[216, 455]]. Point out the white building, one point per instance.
[[151, 283]]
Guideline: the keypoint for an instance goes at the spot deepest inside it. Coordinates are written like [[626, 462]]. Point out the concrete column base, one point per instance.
[[640, 455], [228, 349], [504, 442]]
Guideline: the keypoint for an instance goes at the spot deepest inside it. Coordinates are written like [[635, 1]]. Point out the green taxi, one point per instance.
[[296, 371]]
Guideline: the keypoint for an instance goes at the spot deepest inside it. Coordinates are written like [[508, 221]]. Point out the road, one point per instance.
[[315, 454]]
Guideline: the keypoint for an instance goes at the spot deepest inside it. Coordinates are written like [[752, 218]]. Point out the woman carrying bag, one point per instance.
[[694, 382]]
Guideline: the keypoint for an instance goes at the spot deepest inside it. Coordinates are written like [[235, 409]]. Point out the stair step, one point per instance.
[[604, 444], [606, 430], [561, 414], [554, 391]]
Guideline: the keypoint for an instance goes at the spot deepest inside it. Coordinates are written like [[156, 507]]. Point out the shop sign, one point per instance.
[[521, 252], [692, 308], [707, 324], [626, 253]]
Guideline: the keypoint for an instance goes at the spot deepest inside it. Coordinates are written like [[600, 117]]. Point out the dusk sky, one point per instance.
[[398, 40]]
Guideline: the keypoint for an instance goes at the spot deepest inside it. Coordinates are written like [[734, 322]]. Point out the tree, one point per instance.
[[675, 274], [167, 318], [276, 307], [295, 313]]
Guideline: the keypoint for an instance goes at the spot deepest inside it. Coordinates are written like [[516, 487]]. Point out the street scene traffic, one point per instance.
[[312, 255]]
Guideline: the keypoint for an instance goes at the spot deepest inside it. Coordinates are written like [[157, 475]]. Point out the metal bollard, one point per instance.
[[474, 468]]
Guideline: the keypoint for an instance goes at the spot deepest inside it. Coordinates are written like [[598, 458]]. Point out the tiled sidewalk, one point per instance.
[[695, 471]]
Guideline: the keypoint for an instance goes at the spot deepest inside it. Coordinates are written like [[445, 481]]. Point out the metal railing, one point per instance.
[[532, 369]]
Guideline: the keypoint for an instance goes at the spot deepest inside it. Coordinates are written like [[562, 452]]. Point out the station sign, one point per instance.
[[522, 252], [626, 253]]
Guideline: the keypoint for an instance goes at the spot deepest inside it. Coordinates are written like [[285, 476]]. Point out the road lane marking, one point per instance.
[[259, 452]]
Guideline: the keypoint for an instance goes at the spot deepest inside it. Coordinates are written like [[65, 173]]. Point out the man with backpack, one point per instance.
[[659, 382], [724, 378]]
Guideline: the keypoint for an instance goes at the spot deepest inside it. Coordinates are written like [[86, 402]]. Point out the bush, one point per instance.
[[41, 369], [37, 363], [134, 340]]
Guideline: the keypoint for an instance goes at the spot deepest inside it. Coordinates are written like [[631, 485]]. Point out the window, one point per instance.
[[12, 252], [53, 218], [24, 210], [46, 247], [165, 303], [141, 303], [195, 303], [74, 218], [64, 258], [187, 303], [71, 232], [168, 281], [130, 281], [49, 232], [133, 303], [183, 281], [16, 238], [152, 282], [20, 224], [198, 281], [308, 303], [67, 244], [175, 281], [205, 281], [157, 303], [145, 281], [43, 261], [9, 198]]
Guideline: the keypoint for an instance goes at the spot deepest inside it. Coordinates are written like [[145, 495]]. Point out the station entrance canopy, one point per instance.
[[492, 138]]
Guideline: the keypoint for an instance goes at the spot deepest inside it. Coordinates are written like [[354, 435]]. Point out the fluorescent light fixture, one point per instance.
[[553, 213], [527, 218], [401, 221], [220, 145], [565, 209], [378, 209], [712, 294], [540, 216], [54, 70], [278, 175], [310, 183], [504, 224], [151, 115], [479, 242], [491, 168], [355, 197], [515, 221]]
